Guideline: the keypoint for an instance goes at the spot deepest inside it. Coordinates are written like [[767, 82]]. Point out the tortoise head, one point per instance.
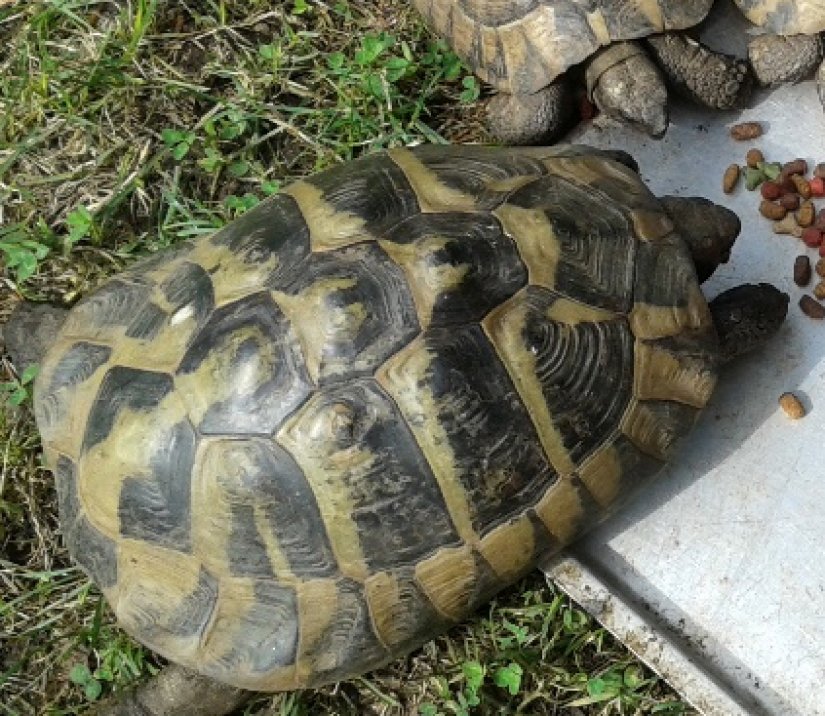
[[708, 229], [746, 316]]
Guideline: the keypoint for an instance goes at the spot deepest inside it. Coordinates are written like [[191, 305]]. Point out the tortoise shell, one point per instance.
[[521, 47], [303, 446], [785, 17]]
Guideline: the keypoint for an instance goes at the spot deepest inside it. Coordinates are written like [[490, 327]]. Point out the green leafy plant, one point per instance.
[[178, 142], [83, 677], [17, 391]]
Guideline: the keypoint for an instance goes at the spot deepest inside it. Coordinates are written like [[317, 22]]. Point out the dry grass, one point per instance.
[[125, 126]]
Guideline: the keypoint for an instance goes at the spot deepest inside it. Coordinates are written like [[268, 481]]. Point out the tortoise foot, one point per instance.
[[710, 78], [777, 59], [540, 118]]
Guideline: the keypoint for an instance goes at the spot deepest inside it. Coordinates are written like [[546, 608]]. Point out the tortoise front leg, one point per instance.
[[175, 691]]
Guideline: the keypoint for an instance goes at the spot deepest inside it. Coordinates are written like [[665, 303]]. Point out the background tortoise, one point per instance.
[[792, 46], [302, 446], [523, 49]]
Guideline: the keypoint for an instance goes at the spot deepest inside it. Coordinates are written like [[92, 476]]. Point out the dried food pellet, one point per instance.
[[797, 166], [787, 225], [822, 249], [817, 186], [811, 307], [789, 201], [819, 222], [730, 178], [820, 268], [792, 406], [812, 237], [802, 270], [819, 290], [770, 190], [806, 214], [746, 130], [787, 185], [819, 170], [754, 157], [802, 186], [772, 211]]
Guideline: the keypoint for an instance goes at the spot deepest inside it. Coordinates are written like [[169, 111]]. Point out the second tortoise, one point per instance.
[[299, 448]]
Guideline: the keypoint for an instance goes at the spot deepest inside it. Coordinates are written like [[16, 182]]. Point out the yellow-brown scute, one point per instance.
[[300, 447]]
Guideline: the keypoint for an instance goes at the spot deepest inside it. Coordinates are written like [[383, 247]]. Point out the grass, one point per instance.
[[127, 126]]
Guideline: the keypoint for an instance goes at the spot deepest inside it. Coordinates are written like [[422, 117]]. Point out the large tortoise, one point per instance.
[[298, 448], [525, 49]]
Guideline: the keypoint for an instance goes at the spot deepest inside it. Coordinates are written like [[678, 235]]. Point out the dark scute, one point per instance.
[[665, 274], [77, 365], [267, 635], [585, 371], [276, 482], [498, 456], [545, 544], [149, 320], [157, 507], [598, 246], [191, 617], [397, 504], [350, 637], [272, 388], [123, 389], [496, 14], [68, 505], [94, 552], [380, 287], [372, 187], [475, 242], [247, 552], [190, 285], [29, 332], [113, 304], [274, 227]]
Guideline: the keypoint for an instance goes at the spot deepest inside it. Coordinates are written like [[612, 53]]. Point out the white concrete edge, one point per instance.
[[628, 624]]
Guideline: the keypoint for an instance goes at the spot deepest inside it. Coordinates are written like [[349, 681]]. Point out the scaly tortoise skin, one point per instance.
[[303, 446], [521, 47]]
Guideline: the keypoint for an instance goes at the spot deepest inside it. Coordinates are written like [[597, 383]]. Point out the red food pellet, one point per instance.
[[817, 186], [812, 237], [770, 190], [822, 250]]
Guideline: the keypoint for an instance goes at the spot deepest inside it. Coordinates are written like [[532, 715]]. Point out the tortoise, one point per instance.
[[525, 49], [304, 445], [791, 47]]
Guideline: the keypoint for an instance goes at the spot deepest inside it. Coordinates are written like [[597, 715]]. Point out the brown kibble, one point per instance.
[[820, 268], [770, 190], [772, 211], [819, 170], [802, 270], [789, 201], [819, 290], [802, 186], [819, 222], [730, 178], [806, 214], [746, 130], [797, 166], [753, 157], [811, 307], [786, 184], [787, 225], [792, 406]]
